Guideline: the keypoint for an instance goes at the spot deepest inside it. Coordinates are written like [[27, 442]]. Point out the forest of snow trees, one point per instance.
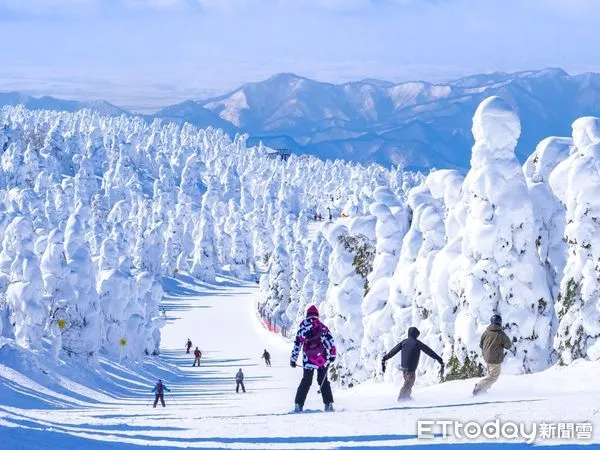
[[95, 210], [447, 253]]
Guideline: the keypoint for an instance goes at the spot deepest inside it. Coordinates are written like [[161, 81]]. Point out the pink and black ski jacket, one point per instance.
[[316, 342]]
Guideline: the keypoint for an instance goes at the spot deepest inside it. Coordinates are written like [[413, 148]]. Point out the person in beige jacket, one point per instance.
[[493, 343]]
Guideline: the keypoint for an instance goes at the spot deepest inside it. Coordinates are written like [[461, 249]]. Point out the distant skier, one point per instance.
[[188, 345], [159, 393], [239, 381], [493, 342], [197, 356], [319, 351], [267, 357], [411, 349]]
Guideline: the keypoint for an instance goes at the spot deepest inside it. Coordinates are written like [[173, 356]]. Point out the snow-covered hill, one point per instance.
[[55, 104], [110, 409]]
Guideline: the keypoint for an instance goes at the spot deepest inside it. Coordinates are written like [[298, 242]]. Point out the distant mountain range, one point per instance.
[[417, 124]]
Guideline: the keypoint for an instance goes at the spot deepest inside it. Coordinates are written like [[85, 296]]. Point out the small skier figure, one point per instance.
[[239, 381], [319, 351], [409, 359], [159, 393], [267, 357], [188, 345], [197, 356]]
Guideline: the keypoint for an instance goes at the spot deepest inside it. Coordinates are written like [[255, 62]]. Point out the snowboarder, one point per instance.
[[319, 351], [188, 345], [239, 381], [159, 393], [493, 342], [409, 360], [197, 356], [267, 357]]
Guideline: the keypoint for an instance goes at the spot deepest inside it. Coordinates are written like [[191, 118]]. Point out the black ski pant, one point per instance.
[[268, 362], [307, 379], [238, 384], [160, 397]]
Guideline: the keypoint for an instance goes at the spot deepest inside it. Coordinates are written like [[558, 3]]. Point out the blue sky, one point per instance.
[[201, 47]]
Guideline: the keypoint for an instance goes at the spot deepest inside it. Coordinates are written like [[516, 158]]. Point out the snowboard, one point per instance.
[[313, 411]]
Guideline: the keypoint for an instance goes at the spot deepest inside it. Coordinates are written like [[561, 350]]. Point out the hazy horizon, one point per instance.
[[143, 54]]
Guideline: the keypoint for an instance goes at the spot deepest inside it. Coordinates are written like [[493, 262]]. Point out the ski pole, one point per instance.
[[324, 378], [173, 398]]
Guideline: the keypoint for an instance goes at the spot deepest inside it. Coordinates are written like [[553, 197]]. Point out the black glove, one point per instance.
[[293, 364], [331, 359], [383, 365]]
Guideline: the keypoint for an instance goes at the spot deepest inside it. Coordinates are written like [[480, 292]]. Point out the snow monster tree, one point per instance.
[[500, 270]]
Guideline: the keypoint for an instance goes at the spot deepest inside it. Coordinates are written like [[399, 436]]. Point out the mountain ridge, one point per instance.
[[416, 124]]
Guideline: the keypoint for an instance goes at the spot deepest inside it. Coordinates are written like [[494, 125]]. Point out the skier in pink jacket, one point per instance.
[[319, 351]]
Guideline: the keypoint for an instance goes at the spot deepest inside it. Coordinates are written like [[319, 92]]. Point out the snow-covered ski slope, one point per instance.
[[108, 409]]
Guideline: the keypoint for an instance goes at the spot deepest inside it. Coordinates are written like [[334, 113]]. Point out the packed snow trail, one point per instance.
[[203, 410]]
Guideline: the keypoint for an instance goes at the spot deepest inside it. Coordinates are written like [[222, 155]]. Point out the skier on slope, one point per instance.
[[319, 351], [159, 393], [188, 345], [197, 356], [493, 342], [411, 349], [239, 381], [267, 357]]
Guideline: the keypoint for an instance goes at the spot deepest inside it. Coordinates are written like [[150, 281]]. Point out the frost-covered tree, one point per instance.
[[205, 256], [410, 298], [83, 328], [25, 297], [377, 310], [312, 272], [351, 262], [576, 182], [151, 294], [500, 268], [278, 283], [239, 253], [118, 297], [57, 285], [297, 282], [549, 212]]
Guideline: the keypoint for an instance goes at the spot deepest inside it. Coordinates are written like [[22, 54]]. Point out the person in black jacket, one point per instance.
[[409, 360]]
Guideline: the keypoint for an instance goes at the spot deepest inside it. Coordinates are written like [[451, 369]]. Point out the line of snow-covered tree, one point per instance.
[[95, 210], [520, 241]]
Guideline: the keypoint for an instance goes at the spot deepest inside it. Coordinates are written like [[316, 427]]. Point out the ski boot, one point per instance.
[[297, 408], [329, 407]]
